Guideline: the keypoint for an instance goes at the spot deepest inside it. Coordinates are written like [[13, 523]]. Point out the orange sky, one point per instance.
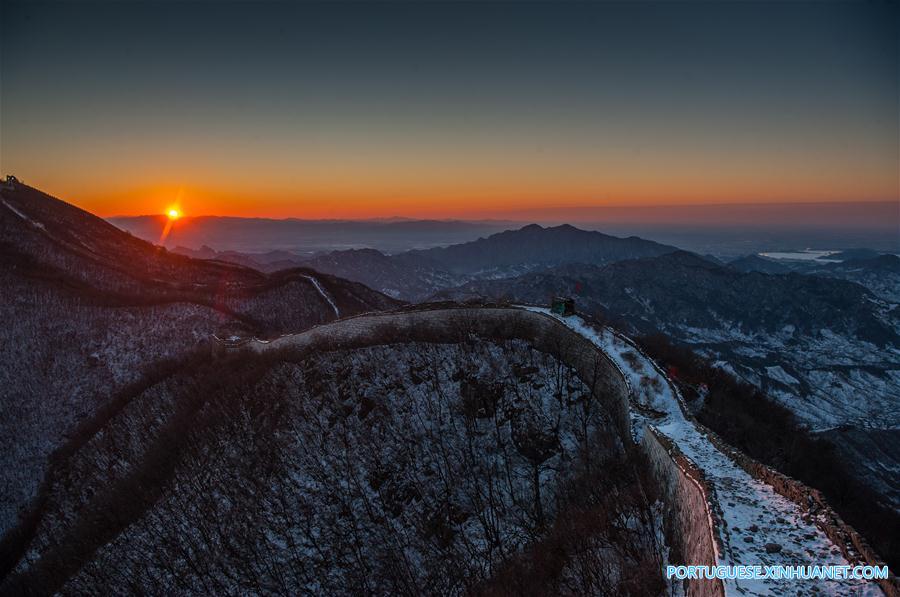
[[448, 109], [468, 189], [433, 171]]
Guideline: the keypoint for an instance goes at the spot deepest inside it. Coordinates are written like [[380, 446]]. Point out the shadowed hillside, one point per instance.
[[86, 307]]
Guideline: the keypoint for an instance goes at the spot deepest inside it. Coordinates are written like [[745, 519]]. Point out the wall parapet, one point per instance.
[[690, 503], [852, 545]]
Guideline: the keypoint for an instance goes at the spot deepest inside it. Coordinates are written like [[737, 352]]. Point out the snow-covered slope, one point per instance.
[[827, 349], [412, 468], [87, 307], [759, 526], [317, 465]]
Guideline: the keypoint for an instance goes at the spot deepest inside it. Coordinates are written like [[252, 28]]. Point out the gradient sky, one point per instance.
[[448, 109]]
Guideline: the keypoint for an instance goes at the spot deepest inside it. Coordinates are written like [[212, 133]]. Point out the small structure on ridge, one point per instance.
[[10, 184], [562, 305]]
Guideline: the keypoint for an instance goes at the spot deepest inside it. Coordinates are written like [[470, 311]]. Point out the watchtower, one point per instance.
[[10, 184], [562, 305]]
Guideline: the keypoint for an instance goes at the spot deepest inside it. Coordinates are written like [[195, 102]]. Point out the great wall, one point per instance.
[[710, 488]]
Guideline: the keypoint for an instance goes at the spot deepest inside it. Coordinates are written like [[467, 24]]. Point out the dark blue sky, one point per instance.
[[326, 108]]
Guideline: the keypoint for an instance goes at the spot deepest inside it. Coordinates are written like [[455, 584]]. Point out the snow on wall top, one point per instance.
[[758, 525], [753, 515]]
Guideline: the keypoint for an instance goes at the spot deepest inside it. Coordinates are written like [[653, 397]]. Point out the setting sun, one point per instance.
[[173, 213]]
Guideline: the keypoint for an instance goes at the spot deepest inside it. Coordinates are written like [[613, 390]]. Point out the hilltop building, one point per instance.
[[10, 184], [562, 305]]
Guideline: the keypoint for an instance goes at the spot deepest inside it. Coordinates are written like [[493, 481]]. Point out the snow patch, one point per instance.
[[22, 215], [324, 294], [753, 513], [779, 374]]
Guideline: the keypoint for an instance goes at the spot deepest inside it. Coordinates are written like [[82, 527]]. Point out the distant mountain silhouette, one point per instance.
[[880, 273], [270, 261], [536, 246], [416, 275], [259, 235]]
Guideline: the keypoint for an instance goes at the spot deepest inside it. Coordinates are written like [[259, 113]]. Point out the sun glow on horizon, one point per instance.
[[173, 213]]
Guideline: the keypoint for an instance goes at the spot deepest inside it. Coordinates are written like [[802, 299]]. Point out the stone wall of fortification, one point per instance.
[[690, 516]]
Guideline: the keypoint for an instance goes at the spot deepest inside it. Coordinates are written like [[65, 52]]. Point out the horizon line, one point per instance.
[[514, 213]]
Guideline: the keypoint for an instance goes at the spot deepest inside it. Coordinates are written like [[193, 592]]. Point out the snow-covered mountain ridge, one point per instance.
[[86, 308]]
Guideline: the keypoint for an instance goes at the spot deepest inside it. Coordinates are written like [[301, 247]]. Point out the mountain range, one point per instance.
[[141, 429], [828, 349], [97, 305], [417, 274], [130, 437], [258, 235], [879, 272], [817, 335]]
